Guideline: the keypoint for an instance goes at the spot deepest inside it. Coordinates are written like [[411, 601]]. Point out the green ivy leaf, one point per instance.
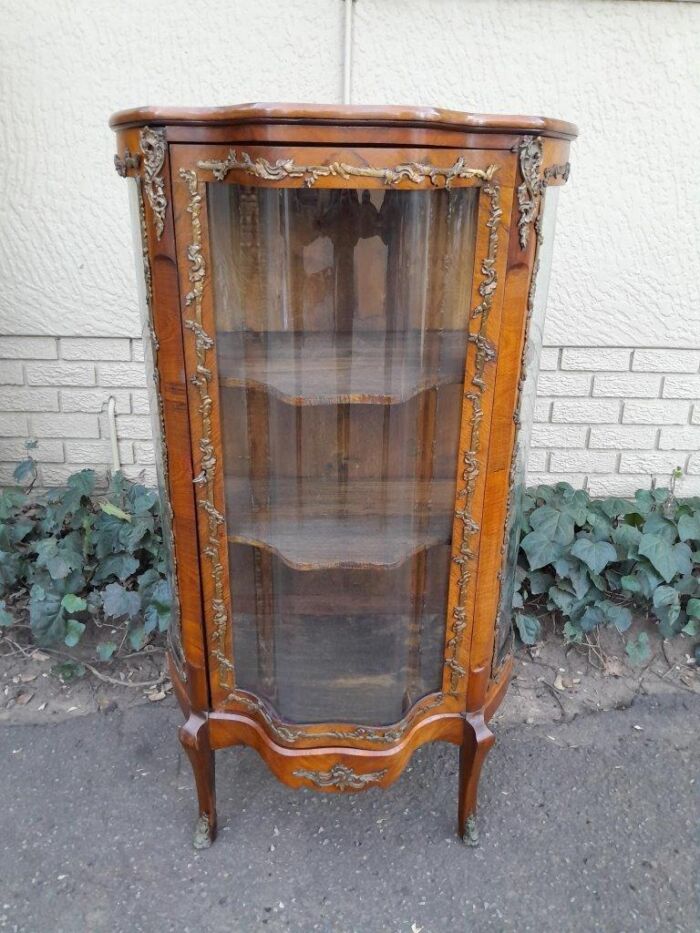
[[615, 507], [691, 628], [12, 570], [577, 506], [638, 649], [627, 538], [540, 582], [601, 526], [6, 619], [631, 584], [561, 599], [68, 671], [658, 525], [574, 571], [543, 493], [592, 617], [147, 583], [132, 535], [693, 608], [619, 616], [667, 606], [555, 525], [572, 631], [528, 628], [70, 500], [137, 637], [10, 501], [110, 509], [595, 554], [105, 650], [687, 585], [540, 550], [689, 527], [141, 499], [119, 602], [58, 557], [46, 616], [72, 603], [683, 558], [74, 632], [19, 530], [150, 620], [120, 565], [106, 535], [660, 554], [644, 501], [647, 577], [158, 612], [25, 470]]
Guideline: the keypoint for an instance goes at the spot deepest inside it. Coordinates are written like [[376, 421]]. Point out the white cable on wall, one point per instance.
[[112, 422], [347, 52]]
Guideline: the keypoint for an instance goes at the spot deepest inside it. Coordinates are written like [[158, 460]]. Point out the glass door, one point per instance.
[[341, 319]]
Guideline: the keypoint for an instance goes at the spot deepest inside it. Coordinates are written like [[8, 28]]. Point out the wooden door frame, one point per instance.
[[192, 168]]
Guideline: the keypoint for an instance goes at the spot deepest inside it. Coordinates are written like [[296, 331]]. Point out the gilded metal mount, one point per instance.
[[282, 169], [341, 777], [127, 163], [152, 142]]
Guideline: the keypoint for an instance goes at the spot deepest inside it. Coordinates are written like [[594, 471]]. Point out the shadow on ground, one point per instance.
[[587, 825]]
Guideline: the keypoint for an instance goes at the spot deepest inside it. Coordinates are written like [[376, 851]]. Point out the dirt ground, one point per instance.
[[551, 682]]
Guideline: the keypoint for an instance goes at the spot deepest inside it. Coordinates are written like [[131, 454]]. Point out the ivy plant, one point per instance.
[[598, 562], [80, 558]]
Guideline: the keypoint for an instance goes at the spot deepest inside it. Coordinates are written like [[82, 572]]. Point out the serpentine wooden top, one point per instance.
[[345, 114]]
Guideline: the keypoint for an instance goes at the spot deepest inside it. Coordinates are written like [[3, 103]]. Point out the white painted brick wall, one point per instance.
[[614, 419], [57, 390], [608, 419]]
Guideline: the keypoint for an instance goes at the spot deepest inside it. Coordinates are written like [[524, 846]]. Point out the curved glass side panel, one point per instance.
[[537, 304], [341, 319], [150, 349]]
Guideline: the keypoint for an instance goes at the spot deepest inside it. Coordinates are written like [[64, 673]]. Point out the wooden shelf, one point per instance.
[[337, 369], [312, 525]]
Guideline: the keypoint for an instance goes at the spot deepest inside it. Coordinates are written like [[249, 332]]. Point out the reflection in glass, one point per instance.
[[341, 334], [166, 513], [526, 409]]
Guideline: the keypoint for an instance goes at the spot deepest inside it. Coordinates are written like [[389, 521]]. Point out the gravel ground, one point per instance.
[[585, 825]]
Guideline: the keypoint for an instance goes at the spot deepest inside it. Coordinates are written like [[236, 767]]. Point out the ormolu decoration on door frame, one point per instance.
[[415, 172], [381, 735], [485, 353], [152, 142], [205, 479]]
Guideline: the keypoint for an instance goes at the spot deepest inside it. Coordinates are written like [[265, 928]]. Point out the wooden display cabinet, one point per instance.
[[345, 331]]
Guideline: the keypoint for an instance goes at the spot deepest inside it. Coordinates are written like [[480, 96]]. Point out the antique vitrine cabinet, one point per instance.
[[339, 301]]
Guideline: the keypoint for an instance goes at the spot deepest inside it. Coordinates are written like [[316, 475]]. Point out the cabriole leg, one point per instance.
[[194, 735], [476, 743]]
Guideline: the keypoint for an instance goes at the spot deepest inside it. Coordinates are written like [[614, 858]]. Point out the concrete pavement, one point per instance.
[[585, 826]]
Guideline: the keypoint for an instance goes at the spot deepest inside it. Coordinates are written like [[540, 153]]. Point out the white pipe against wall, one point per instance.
[[347, 53], [112, 422]]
